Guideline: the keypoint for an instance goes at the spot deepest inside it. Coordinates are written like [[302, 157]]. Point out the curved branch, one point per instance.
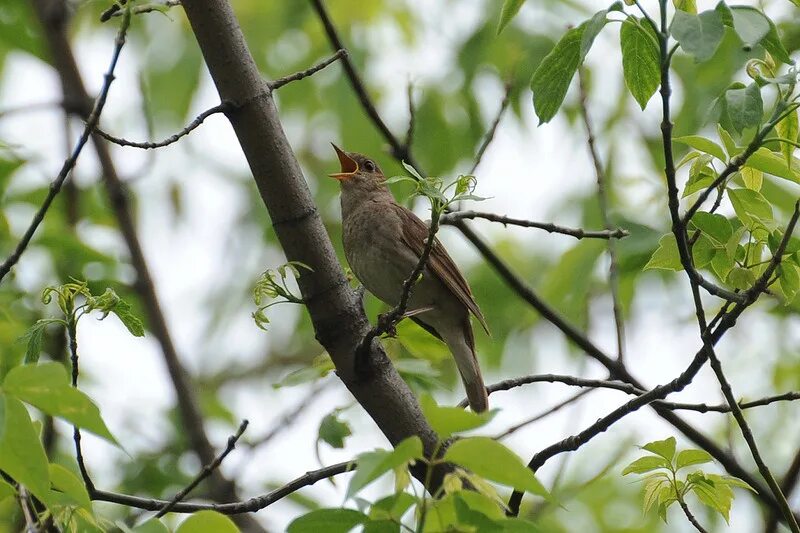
[[578, 233]]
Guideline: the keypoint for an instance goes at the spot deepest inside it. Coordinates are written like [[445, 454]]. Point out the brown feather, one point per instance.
[[439, 262]]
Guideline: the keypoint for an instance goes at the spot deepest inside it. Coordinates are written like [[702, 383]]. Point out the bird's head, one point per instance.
[[358, 172]]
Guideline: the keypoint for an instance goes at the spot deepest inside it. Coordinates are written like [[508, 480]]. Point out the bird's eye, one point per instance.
[[369, 166]]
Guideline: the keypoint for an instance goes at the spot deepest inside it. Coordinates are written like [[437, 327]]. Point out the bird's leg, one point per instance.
[[388, 324]]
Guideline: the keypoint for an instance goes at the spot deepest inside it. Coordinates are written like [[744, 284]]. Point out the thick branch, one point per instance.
[[336, 313]]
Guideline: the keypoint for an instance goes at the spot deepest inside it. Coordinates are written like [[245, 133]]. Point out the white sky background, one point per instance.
[[527, 172]]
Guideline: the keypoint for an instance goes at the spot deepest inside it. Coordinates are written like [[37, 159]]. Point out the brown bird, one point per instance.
[[383, 242]]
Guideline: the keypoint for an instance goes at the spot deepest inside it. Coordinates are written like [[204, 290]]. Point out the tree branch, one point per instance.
[[248, 506], [69, 164], [205, 472], [578, 233], [53, 17], [336, 313], [280, 82], [221, 108]]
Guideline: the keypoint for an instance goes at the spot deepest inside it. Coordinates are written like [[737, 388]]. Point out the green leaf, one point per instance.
[[750, 206], [328, 520], [704, 145], [701, 175], [21, 453], [392, 507], [750, 24], [508, 12], [666, 255], [730, 480], [640, 59], [449, 420], [711, 496], [715, 226], [128, 319], [552, 77], [372, 465], [745, 107], [752, 178], [772, 163], [644, 464], [789, 280], [333, 431], [741, 278], [788, 129], [207, 522], [730, 145], [46, 387], [488, 458], [692, 457], [690, 6], [698, 35], [34, 337], [772, 44], [663, 448], [151, 526], [703, 251], [68, 484], [6, 490]]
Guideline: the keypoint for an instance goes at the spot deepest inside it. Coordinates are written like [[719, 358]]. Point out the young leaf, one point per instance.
[[750, 24], [704, 145], [372, 465], [730, 145], [741, 278], [752, 178], [333, 520], [666, 255], [750, 206], [711, 496], [690, 6], [772, 44], [771, 163], [644, 464], [663, 448], [68, 484], [508, 12], [698, 35], [34, 337], [488, 458], [789, 280], [692, 457], [745, 107], [715, 226], [448, 420], [21, 453], [788, 129], [207, 522], [640, 59], [46, 387], [553, 75], [128, 319], [333, 431]]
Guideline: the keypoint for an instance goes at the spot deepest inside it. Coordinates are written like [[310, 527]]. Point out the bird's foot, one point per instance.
[[387, 324]]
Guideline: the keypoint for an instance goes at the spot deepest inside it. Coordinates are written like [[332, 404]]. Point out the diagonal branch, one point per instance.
[[69, 164], [248, 506], [280, 82]]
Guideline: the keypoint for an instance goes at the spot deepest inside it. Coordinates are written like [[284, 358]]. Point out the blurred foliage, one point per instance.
[[452, 118]]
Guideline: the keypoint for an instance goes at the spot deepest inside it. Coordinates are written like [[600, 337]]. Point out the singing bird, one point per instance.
[[383, 242]]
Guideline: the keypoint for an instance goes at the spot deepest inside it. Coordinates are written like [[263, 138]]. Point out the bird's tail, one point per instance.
[[462, 346]]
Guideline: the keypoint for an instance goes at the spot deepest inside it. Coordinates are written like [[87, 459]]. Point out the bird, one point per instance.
[[383, 242]]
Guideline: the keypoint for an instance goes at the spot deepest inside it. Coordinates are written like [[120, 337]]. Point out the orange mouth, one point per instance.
[[349, 166]]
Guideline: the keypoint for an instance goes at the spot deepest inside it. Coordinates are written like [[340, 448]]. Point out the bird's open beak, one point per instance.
[[349, 166]]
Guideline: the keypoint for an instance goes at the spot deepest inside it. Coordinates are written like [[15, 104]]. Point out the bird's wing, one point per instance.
[[439, 262]]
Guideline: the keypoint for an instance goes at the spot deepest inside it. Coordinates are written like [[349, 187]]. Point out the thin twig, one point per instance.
[[114, 10], [69, 164], [280, 82], [490, 133], [691, 517], [603, 200], [205, 472], [388, 321], [627, 388], [578, 233], [148, 145], [248, 506]]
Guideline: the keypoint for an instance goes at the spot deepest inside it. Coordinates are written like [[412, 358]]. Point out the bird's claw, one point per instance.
[[387, 325]]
